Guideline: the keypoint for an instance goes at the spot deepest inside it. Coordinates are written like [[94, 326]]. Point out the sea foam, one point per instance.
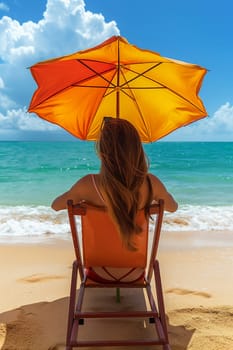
[[40, 222]]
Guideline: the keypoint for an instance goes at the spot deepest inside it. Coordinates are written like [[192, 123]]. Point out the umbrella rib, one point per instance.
[[96, 73], [122, 89], [93, 86], [137, 106], [162, 86], [140, 74]]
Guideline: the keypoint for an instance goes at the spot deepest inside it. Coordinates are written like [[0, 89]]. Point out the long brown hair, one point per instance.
[[124, 167]]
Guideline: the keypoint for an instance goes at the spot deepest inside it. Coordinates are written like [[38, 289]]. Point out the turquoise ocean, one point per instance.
[[32, 174]]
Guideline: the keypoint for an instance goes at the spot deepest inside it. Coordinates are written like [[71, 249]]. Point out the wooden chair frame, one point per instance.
[[76, 315]]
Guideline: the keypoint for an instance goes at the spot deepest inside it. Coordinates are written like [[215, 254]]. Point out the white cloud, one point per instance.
[[222, 119], [6, 102], [1, 83], [65, 27], [3, 7], [19, 119]]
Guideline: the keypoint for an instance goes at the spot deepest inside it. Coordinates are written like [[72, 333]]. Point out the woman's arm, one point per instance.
[[160, 192], [60, 202], [78, 192]]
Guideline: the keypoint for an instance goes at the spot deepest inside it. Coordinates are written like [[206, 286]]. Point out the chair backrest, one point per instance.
[[101, 242]]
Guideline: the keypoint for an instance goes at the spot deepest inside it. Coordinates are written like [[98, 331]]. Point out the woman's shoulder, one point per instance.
[[86, 179], [156, 183], [153, 178]]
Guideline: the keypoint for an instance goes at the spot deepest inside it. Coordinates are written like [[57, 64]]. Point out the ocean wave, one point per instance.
[[33, 222], [41, 222], [199, 218]]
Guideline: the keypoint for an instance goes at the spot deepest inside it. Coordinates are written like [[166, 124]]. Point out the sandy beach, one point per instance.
[[197, 275]]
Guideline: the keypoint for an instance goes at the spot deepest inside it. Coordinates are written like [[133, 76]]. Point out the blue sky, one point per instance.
[[198, 31]]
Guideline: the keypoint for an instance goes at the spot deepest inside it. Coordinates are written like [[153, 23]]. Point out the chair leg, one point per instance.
[[165, 347], [161, 307], [71, 304]]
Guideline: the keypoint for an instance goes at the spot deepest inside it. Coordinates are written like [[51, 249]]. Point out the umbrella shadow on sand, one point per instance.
[[42, 326]]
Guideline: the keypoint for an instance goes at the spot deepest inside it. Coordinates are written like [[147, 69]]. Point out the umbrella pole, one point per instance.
[[117, 104], [118, 83]]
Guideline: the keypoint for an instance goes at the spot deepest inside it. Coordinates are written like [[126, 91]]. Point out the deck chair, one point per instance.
[[99, 248]]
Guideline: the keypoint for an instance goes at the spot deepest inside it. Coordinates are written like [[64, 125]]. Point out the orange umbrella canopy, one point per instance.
[[156, 94]]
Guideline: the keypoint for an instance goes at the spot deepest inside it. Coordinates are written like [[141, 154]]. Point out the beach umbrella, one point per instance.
[[156, 94]]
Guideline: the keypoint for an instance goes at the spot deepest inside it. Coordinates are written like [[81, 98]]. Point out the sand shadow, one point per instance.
[[42, 326]]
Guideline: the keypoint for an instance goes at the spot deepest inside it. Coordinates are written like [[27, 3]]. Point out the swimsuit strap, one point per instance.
[[96, 188]]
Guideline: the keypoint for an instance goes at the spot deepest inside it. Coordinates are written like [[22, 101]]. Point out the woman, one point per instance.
[[123, 184]]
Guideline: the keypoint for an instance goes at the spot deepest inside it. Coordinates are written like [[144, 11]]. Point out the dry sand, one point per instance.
[[197, 275]]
